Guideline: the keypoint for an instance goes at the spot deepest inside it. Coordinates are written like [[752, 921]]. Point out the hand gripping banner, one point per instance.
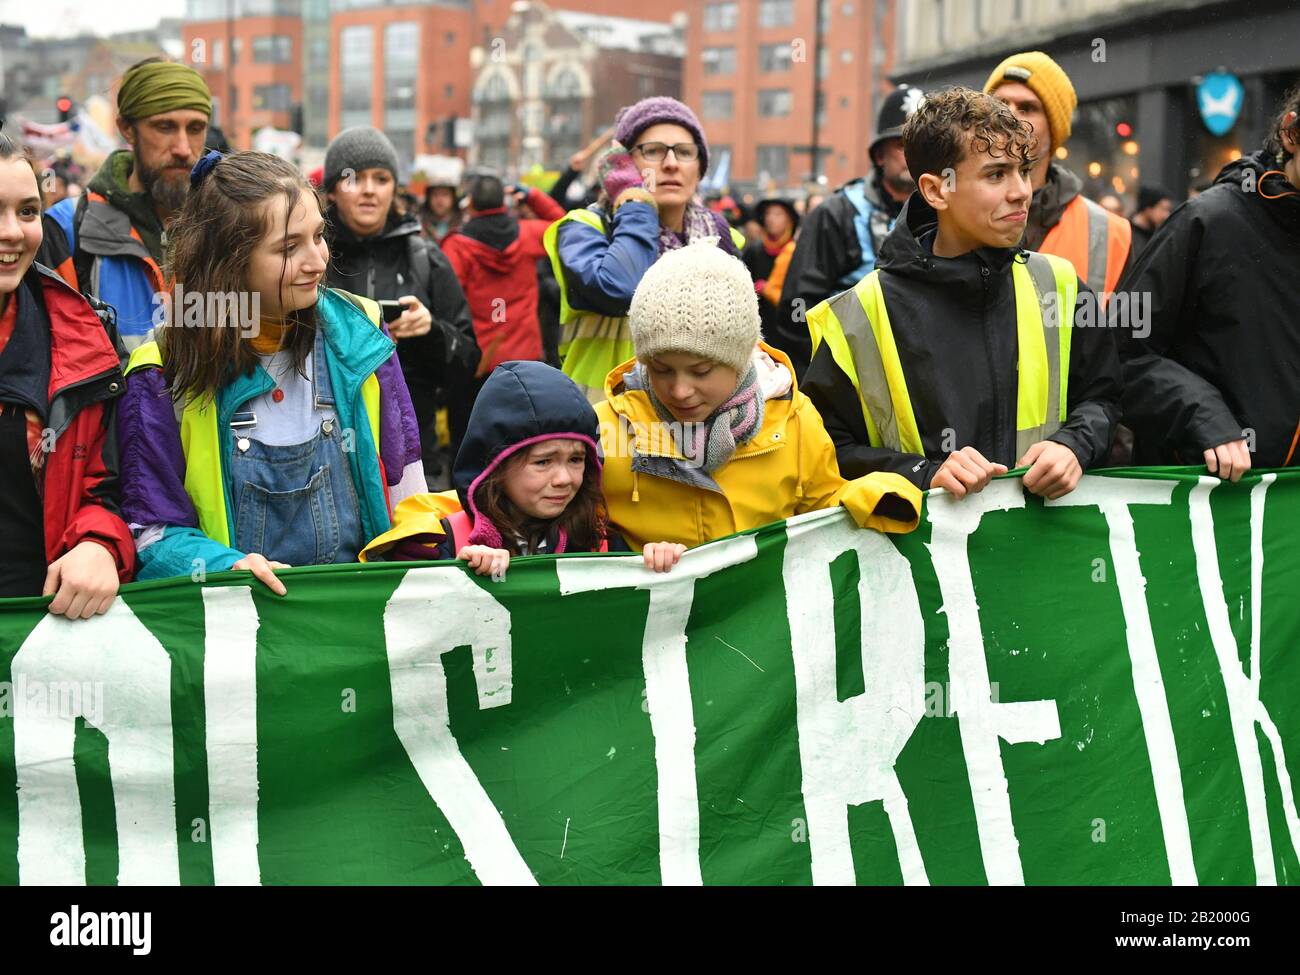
[[1097, 690]]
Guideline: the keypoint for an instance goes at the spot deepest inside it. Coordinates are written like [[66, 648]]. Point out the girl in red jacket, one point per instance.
[[60, 533]]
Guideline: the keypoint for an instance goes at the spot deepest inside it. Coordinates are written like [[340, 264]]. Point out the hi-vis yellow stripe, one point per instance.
[[855, 327], [1031, 388], [872, 364], [201, 447]]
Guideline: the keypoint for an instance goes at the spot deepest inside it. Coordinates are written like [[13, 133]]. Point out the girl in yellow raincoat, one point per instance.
[[705, 433]]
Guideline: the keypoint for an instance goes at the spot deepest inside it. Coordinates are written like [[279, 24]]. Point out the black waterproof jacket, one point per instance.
[[954, 322], [399, 261], [1223, 353]]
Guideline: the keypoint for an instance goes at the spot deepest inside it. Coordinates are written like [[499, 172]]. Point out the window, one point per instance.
[[495, 120], [401, 59], [773, 163], [319, 52], [272, 49], [716, 104], [272, 98], [719, 16], [449, 91], [265, 8], [774, 57], [564, 114], [773, 102], [451, 38], [356, 62], [401, 55], [775, 13], [495, 89], [719, 60], [565, 85]]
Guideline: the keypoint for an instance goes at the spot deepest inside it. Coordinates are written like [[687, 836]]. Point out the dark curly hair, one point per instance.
[[954, 121]]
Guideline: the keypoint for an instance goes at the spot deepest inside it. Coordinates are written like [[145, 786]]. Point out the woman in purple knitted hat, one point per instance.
[[647, 206]]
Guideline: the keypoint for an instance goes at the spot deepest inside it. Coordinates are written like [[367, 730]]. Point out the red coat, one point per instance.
[[81, 489], [497, 268]]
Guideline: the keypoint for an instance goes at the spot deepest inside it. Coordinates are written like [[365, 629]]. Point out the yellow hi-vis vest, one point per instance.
[[591, 344], [855, 326]]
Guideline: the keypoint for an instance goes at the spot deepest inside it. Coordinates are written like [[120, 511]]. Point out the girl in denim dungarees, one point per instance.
[[270, 425]]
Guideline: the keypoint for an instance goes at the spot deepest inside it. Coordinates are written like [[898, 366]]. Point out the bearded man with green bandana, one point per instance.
[[109, 242]]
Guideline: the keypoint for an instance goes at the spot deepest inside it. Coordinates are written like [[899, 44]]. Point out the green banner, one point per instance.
[[1101, 689]]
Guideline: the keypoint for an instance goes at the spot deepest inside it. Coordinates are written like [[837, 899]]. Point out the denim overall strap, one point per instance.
[[296, 504]]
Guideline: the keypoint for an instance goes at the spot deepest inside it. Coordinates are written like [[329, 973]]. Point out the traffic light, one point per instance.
[[1123, 130], [64, 104]]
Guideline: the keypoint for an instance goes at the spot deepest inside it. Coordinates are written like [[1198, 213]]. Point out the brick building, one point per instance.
[[252, 62], [319, 66], [763, 91]]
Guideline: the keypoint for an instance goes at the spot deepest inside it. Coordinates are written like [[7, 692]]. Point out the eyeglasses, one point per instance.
[[658, 151]]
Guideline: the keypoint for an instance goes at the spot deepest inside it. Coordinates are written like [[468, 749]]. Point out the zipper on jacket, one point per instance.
[[990, 359], [758, 453]]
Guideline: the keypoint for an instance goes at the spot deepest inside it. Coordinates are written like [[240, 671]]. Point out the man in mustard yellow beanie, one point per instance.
[[1062, 221], [110, 241]]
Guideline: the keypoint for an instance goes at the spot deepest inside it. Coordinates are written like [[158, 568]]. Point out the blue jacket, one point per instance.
[[123, 274], [601, 273]]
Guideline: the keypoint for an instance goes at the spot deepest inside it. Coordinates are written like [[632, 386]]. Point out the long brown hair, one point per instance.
[[211, 243], [585, 521]]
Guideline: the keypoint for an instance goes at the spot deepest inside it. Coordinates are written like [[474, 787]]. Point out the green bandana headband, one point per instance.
[[162, 86]]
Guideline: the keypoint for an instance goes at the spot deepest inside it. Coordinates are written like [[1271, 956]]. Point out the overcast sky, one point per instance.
[[64, 18]]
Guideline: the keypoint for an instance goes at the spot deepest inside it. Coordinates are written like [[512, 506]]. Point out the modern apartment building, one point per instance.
[[789, 87], [250, 53]]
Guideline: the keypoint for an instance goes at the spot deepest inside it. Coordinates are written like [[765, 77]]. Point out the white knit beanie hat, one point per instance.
[[699, 300]]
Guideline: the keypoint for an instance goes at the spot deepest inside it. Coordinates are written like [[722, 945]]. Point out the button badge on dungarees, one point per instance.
[[243, 443], [327, 427]]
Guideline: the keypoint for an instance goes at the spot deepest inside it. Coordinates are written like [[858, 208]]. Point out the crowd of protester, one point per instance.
[[209, 362]]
